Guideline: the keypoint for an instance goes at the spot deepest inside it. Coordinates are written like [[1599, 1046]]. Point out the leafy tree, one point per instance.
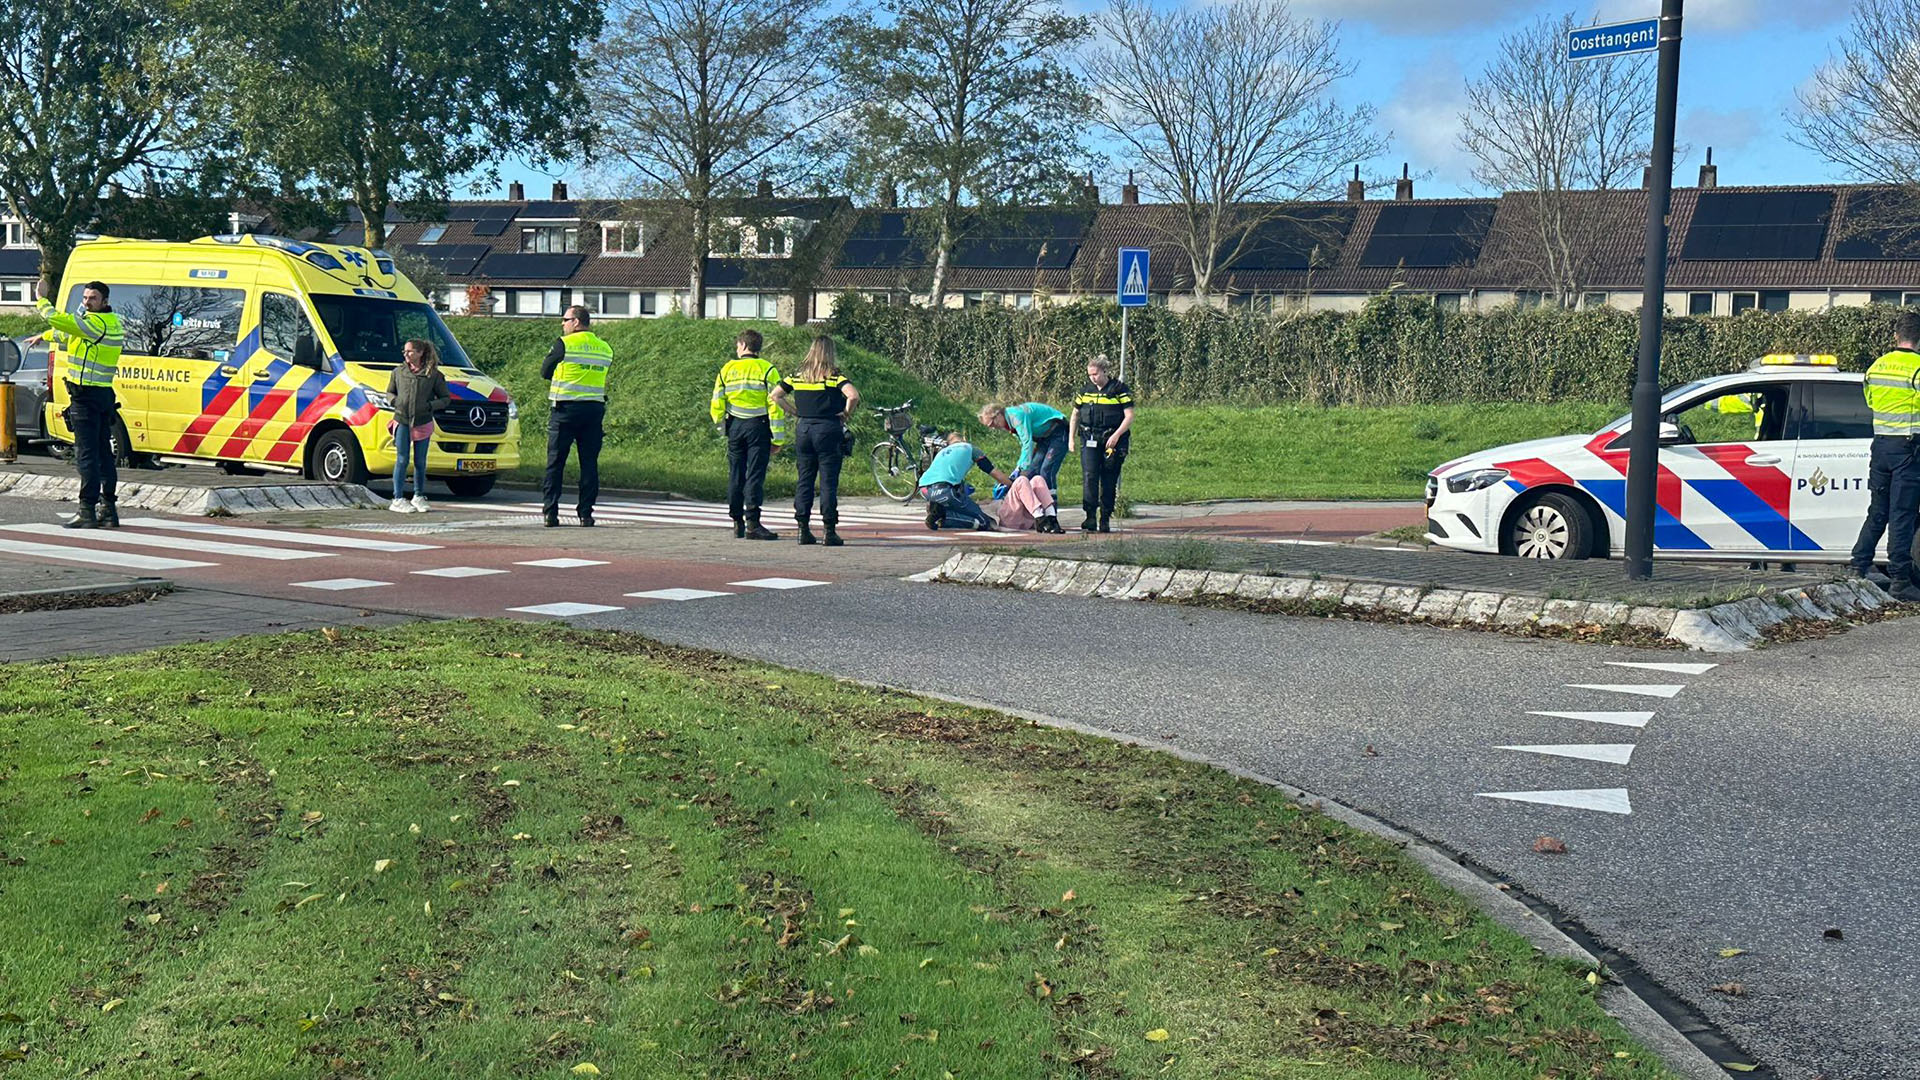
[[1862, 112], [385, 101], [703, 97], [1227, 110], [98, 101], [970, 104]]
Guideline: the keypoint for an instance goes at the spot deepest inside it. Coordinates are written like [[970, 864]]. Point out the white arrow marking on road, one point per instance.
[[1611, 753], [1671, 669], [565, 608], [1611, 800], [778, 583], [1623, 719], [1665, 690]]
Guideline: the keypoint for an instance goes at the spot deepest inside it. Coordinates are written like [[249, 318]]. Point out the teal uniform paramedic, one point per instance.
[[91, 339], [1042, 430], [944, 485]]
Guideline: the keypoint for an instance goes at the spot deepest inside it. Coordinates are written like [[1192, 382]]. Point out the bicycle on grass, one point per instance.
[[897, 464]]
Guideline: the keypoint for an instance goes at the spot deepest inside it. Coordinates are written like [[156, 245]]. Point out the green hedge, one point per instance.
[[1399, 350]]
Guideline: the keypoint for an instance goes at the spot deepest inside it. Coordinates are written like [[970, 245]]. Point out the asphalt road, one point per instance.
[[1770, 796]]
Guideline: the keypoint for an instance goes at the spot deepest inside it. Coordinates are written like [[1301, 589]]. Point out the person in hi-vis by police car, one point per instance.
[[1893, 471], [577, 367]]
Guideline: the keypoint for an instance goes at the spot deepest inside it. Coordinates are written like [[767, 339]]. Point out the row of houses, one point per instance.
[[1732, 249]]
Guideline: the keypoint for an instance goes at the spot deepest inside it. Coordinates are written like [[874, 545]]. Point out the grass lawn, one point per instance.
[[658, 435], [493, 850]]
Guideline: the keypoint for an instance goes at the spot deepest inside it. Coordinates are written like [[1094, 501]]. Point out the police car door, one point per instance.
[[1728, 471], [1835, 430]]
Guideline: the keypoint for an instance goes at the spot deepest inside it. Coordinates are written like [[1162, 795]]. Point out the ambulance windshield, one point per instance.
[[370, 331]]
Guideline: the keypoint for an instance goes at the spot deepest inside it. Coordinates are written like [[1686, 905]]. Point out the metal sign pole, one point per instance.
[[1644, 438], [1123, 344]]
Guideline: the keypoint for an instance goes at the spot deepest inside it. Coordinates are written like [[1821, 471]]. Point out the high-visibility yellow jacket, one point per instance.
[[92, 341], [1893, 393], [582, 374], [741, 389]]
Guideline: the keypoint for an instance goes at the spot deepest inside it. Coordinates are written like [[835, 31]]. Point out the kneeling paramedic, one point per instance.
[[1102, 419], [944, 485], [1042, 431], [743, 411], [91, 340]]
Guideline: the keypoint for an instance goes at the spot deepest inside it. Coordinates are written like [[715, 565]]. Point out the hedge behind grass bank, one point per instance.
[[1399, 350]]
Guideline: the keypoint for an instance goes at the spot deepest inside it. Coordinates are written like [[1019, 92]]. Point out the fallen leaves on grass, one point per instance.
[[112, 1005], [1549, 845], [586, 1068], [331, 634], [1157, 1035], [380, 865]]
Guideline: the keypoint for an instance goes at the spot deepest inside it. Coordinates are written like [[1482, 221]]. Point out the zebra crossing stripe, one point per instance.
[[175, 543], [282, 536], [124, 559]]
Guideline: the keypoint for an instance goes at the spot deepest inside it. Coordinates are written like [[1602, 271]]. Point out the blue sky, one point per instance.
[[1741, 62]]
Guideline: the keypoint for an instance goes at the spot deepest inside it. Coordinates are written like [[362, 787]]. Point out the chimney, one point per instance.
[[1356, 188], [1709, 173], [1093, 190], [1646, 178], [889, 194], [1403, 187], [764, 189], [1129, 192], [559, 191], [517, 192]]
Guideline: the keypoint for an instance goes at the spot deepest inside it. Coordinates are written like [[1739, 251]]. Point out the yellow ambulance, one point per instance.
[[259, 352]]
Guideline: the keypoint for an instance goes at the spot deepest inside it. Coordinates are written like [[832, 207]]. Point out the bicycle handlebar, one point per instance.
[[896, 408]]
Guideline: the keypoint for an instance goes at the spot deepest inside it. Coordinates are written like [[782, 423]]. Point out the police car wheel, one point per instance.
[[1553, 527], [336, 459]]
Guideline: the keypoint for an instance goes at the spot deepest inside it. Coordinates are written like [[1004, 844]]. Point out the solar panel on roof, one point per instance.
[[1758, 225], [1304, 238], [490, 228], [1427, 234], [20, 262], [546, 209], [1040, 239], [1880, 225], [519, 267], [457, 260]]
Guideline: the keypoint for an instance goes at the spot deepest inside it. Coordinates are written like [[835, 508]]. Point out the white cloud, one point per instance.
[[1728, 131], [1424, 116], [1413, 17], [1733, 16]]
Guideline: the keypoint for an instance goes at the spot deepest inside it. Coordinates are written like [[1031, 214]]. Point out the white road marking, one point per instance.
[[562, 564], [174, 543], [341, 584], [564, 609], [679, 594], [674, 513], [1623, 719], [1605, 800], [123, 559], [1304, 543], [461, 571], [778, 583], [315, 539], [1660, 690], [1671, 669], [1611, 753]]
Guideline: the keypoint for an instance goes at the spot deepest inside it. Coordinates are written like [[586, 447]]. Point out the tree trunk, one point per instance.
[[697, 266], [373, 218], [937, 292]]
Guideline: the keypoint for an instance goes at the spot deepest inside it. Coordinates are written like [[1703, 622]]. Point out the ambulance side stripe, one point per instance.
[[242, 437], [217, 396], [296, 432]]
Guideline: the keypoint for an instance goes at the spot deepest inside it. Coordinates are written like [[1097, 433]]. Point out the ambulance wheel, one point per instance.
[[470, 487], [123, 455], [337, 460], [1554, 526]]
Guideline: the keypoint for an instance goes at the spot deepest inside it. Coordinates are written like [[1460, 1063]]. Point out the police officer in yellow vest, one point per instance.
[[91, 339], [577, 369], [1893, 472], [744, 412]]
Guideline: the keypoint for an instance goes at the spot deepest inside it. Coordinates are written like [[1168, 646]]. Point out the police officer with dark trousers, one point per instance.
[[576, 368], [92, 340], [820, 399], [1100, 425], [1893, 470], [743, 410]]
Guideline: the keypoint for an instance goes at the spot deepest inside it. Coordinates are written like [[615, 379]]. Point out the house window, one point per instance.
[[729, 243], [1527, 298], [1593, 300], [550, 239], [1773, 300], [1745, 301], [433, 234], [743, 305], [1448, 301], [16, 234], [1885, 296], [649, 303], [534, 302], [602, 302], [14, 292], [772, 242], [1700, 303], [1021, 300], [620, 238]]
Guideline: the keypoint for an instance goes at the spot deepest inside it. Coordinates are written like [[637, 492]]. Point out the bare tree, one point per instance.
[[1547, 129], [1862, 112], [970, 103], [703, 97], [1227, 111]]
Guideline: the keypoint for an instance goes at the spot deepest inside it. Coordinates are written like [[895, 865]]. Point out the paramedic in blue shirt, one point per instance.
[[944, 485], [1043, 444]]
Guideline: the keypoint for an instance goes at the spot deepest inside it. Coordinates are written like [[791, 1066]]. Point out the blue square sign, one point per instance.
[[1614, 39], [1133, 277]]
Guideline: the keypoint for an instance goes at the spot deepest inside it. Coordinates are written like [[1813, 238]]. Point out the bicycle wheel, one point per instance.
[[894, 472]]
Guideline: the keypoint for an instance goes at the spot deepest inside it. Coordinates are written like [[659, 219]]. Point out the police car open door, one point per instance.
[[1835, 430]]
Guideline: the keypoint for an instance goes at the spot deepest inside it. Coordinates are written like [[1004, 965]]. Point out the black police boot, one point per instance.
[[586, 519], [806, 533], [1087, 525], [757, 531], [84, 519], [833, 538], [551, 519], [739, 529], [109, 515], [1106, 522]]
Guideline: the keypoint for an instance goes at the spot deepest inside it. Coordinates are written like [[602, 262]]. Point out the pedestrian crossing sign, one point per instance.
[[1133, 277]]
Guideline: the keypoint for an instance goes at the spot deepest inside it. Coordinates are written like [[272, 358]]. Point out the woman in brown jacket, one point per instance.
[[418, 390]]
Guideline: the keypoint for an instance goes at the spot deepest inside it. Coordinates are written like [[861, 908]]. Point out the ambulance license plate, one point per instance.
[[474, 465]]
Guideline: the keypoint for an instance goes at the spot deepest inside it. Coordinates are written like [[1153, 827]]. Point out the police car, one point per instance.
[[1771, 462]]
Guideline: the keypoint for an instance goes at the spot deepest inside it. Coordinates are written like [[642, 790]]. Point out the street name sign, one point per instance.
[[1614, 39]]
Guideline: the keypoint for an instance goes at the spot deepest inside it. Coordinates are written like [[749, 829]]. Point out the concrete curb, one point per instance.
[[1733, 627], [110, 588], [204, 501], [1633, 1012]]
